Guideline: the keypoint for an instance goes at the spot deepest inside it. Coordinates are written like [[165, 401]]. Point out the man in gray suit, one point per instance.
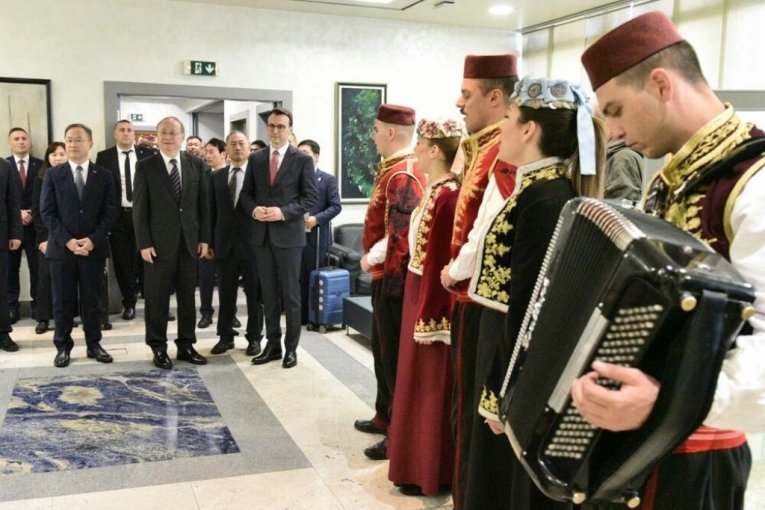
[[171, 217], [279, 188]]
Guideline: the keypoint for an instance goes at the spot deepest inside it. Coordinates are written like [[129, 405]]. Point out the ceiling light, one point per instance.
[[500, 10]]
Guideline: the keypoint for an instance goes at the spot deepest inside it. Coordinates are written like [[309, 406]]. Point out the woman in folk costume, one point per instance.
[[421, 447], [559, 150]]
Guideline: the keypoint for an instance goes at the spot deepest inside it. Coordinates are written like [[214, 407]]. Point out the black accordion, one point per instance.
[[623, 287]]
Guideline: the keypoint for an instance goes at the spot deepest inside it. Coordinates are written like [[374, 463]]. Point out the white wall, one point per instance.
[[80, 44]]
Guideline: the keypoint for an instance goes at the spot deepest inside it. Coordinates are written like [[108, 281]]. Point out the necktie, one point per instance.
[[175, 179], [22, 173], [274, 166], [232, 184], [128, 179], [79, 181]]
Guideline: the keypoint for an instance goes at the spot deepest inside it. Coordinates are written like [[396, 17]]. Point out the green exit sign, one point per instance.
[[201, 68]]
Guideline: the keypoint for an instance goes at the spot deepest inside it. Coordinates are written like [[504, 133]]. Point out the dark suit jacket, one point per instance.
[[326, 207], [113, 160], [294, 192], [10, 193], [158, 218], [231, 228], [32, 168], [69, 218]]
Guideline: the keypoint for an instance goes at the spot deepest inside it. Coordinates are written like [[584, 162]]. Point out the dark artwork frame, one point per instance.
[[25, 103], [356, 157]]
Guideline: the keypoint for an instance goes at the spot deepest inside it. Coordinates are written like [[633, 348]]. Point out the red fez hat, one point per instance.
[[490, 66], [628, 45], [395, 114]]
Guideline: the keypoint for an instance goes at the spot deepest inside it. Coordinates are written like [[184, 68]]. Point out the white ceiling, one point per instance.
[[471, 13]]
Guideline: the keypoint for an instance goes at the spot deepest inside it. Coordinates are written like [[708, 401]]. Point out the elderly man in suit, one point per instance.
[[171, 216], [10, 240], [77, 205], [318, 228], [233, 253], [121, 160], [279, 188], [26, 166]]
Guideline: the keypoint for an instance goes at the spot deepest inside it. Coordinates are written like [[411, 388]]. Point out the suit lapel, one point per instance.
[[286, 160], [163, 175]]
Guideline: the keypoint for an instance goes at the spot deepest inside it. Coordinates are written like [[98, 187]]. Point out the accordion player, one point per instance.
[[623, 287]]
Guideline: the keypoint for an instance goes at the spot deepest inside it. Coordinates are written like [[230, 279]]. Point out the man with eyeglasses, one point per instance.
[[171, 216], [77, 205], [278, 190]]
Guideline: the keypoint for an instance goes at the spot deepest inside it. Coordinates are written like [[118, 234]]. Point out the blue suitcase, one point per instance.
[[328, 287]]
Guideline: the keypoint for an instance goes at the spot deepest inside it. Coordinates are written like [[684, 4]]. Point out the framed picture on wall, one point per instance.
[[25, 103], [356, 107]]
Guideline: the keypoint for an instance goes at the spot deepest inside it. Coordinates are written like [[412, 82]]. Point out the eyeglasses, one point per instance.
[[277, 127]]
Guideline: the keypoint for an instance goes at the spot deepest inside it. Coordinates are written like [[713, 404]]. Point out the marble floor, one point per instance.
[[265, 437]]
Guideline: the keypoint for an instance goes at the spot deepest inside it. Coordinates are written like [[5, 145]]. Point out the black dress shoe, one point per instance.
[[236, 323], [100, 355], [170, 316], [42, 327], [128, 314], [205, 321], [409, 489], [188, 353], [161, 359], [223, 345], [270, 353], [368, 426], [7, 344], [13, 315], [253, 348], [106, 326], [290, 359], [378, 451], [62, 359]]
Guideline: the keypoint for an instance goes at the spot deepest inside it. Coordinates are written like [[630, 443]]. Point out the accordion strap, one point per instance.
[[706, 439]]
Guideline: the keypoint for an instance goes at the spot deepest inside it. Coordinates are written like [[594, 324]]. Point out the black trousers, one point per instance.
[[466, 318], [71, 276], [279, 271], [178, 272], [386, 332], [29, 247], [125, 256], [5, 319], [206, 279], [229, 271], [44, 293]]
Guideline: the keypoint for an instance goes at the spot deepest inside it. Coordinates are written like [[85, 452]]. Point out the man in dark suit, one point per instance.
[[318, 235], [121, 160], [171, 216], [278, 190], [77, 205], [233, 253], [10, 240], [26, 167]]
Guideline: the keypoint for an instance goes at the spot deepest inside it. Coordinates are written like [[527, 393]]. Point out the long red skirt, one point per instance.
[[420, 443]]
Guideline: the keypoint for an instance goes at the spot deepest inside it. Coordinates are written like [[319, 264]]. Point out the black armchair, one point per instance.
[[346, 252]]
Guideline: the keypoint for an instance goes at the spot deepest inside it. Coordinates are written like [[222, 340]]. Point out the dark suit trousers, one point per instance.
[[44, 294], [29, 247], [178, 271], [125, 256], [206, 277], [279, 270], [5, 320], [229, 270], [67, 277]]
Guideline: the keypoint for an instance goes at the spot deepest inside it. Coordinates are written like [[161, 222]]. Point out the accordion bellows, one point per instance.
[[623, 287]]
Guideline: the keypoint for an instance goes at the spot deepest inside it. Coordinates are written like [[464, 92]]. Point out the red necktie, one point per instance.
[[22, 174], [274, 166]]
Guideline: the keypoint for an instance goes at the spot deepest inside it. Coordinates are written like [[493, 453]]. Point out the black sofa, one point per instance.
[[346, 253]]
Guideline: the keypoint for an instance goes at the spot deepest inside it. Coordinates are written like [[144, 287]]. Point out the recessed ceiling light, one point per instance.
[[500, 10]]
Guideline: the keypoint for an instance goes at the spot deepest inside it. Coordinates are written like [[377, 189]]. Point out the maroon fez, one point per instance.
[[395, 114], [627, 45], [490, 66]]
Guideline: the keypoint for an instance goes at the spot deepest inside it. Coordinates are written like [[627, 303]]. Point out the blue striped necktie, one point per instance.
[[79, 182], [175, 179]]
